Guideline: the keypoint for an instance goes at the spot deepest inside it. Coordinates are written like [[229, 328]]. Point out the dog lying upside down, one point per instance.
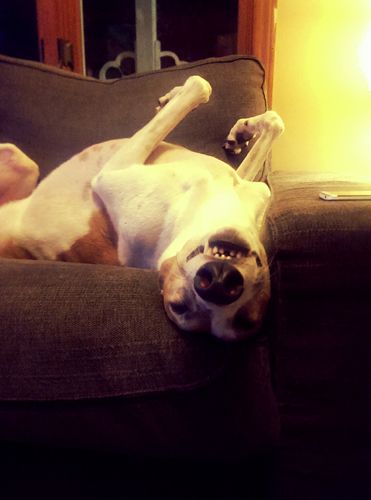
[[145, 203]]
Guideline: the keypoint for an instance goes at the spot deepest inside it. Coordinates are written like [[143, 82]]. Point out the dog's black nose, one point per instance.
[[218, 282]]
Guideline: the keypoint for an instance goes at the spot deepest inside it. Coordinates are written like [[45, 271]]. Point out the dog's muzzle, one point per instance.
[[218, 282]]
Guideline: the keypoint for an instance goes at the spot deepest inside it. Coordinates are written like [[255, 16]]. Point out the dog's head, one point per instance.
[[219, 284]]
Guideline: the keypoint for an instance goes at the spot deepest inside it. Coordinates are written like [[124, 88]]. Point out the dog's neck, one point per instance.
[[216, 214]]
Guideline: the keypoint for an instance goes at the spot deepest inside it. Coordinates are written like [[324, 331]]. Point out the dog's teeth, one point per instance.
[[221, 252]]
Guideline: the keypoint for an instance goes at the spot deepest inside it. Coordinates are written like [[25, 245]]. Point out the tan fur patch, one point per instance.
[[90, 153], [84, 155], [99, 246], [11, 250]]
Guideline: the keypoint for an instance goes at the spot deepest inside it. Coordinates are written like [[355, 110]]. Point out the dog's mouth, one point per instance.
[[221, 249]]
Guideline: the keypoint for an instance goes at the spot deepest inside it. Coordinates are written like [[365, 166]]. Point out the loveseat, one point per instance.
[[102, 397]]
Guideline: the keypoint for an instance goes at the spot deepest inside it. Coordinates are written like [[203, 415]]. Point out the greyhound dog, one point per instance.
[[146, 203]]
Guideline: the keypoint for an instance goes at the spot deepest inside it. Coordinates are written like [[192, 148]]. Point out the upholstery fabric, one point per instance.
[[90, 346], [110, 333], [321, 273], [52, 114]]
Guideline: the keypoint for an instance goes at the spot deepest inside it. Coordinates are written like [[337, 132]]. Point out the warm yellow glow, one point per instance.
[[365, 56], [319, 88]]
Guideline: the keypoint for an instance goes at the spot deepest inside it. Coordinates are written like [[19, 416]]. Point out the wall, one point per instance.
[[319, 89]]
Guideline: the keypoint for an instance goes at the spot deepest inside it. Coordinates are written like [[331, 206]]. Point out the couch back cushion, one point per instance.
[[52, 114]]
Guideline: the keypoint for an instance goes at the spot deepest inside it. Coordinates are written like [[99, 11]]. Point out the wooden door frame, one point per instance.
[[256, 34], [60, 19]]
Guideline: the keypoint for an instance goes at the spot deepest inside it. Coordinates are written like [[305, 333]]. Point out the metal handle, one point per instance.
[[65, 53]]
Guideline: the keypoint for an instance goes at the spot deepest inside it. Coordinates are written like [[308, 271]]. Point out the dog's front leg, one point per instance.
[[265, 128], [114, 184], [173, 107]]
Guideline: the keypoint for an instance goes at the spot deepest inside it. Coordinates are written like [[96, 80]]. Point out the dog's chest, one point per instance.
[[161, 207], [158, 204]]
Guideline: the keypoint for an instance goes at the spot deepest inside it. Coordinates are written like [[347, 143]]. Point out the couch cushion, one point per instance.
[[52, 114], [87, 331]]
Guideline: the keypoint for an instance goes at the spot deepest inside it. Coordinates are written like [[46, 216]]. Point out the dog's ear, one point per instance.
[[262, 199], [248, 318], [165, 270]]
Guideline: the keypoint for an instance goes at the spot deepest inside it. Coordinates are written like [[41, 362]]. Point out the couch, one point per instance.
[[102, 397]]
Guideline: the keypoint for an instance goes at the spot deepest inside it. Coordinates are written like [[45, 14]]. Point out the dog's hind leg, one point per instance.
[[265, 129], [18, 174]]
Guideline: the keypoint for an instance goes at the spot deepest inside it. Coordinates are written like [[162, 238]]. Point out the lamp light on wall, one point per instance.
[[365, 55]]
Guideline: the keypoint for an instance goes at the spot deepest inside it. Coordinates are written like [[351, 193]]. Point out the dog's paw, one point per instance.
[[200, 87], [247, 128], [238, 137], [195, 86]]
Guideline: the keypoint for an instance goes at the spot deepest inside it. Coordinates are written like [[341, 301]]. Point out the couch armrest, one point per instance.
[[321, 277]]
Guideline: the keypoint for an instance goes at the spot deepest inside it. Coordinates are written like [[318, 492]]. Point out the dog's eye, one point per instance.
[[178, 307]]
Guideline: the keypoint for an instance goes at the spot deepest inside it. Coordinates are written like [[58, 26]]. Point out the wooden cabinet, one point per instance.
[[82, 35]]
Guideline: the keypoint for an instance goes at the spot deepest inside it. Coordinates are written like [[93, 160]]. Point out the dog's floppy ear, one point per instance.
[[262, 199], [248, 318], [165, 270]]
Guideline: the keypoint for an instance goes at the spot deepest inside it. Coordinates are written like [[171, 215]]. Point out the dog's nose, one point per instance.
[[218, 282]]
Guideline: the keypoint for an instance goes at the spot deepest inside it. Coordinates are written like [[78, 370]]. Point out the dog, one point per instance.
[[146, 203]]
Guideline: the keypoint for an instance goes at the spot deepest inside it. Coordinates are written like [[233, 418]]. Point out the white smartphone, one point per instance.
[[361, 194]]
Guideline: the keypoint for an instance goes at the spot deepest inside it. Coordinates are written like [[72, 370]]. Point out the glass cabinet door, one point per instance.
[[136, 35], [155, 34]]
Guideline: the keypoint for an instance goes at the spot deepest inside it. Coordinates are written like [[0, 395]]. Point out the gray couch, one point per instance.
[[99, 391]]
